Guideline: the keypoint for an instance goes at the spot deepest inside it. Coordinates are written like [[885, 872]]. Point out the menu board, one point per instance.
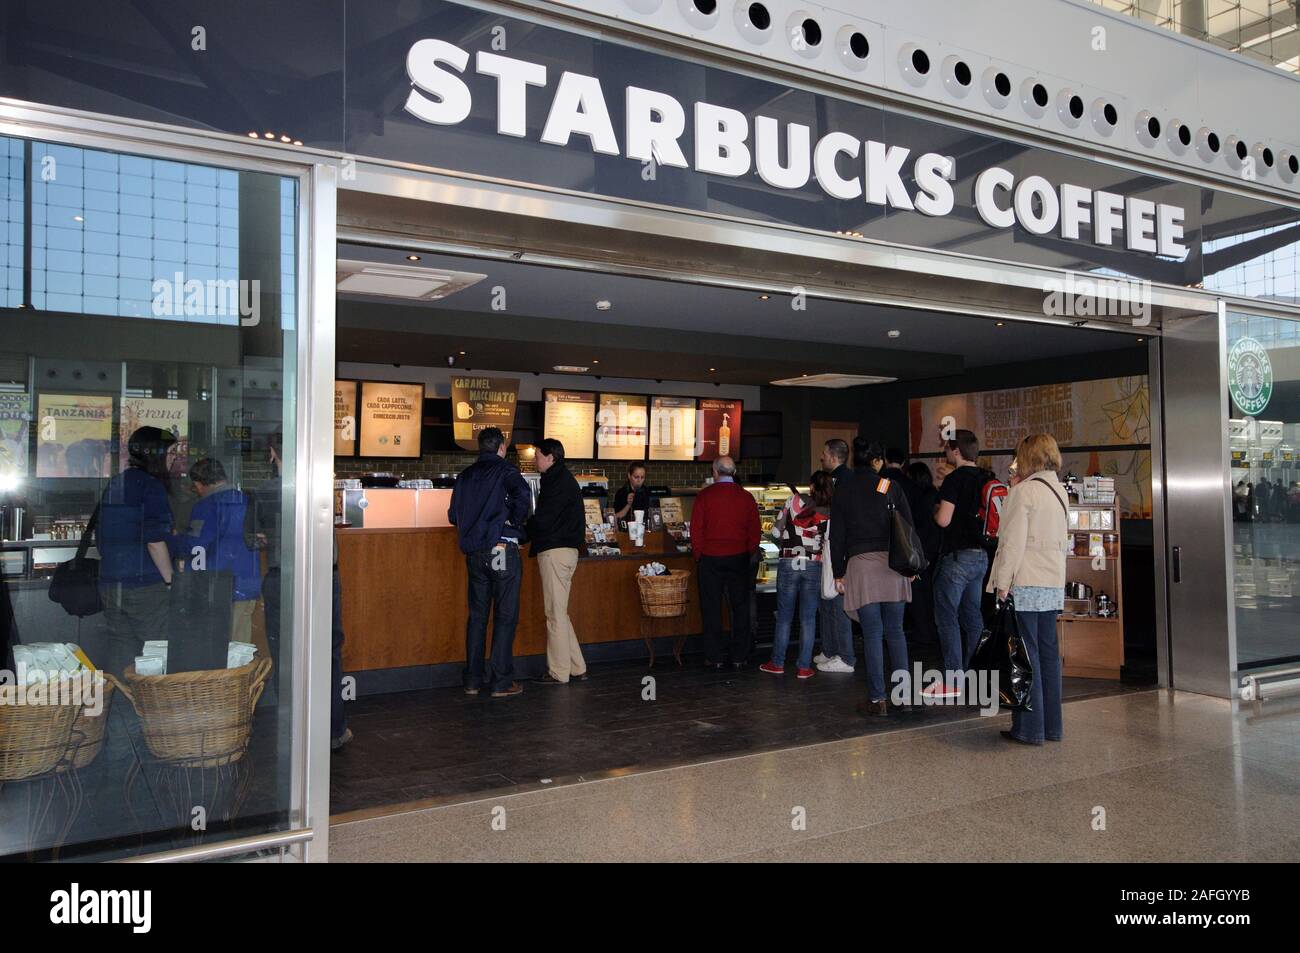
[[672, 428], [481, 402], [570, 417], [345, 418], [168, 415], [719, 429], [391, 418], [621, 427], [15, 425], [74, 436]]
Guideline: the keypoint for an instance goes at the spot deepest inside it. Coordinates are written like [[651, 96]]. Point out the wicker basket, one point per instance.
[[198, 719], [664, 597], [34, 739], [88, 732]]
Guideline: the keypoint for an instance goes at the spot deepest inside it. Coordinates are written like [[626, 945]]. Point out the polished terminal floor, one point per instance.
[[1174, 777]]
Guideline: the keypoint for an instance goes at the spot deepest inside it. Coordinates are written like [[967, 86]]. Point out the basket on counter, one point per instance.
[[664, 597]]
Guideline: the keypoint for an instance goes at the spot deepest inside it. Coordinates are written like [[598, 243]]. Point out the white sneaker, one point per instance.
[[834, 665], [821, 657], [939, 690]]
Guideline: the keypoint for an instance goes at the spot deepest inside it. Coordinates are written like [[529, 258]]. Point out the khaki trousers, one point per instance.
[[563, 653], [241, 620]]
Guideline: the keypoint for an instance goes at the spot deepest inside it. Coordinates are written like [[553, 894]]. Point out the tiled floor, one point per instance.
[[441, 744], [1178, 777]]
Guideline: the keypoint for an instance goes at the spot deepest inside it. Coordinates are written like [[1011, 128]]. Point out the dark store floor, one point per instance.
[[442, 745]]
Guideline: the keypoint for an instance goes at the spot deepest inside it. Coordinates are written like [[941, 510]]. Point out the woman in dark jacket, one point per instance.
[[874, 594], [132, 533]]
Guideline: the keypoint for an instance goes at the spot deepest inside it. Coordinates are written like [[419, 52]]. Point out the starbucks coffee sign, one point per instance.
[[1250, 376]]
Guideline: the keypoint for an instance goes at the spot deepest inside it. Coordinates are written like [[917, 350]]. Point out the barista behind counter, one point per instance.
[[633, 495]]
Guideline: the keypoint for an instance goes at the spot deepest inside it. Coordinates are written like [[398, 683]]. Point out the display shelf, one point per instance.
[[1092, 646]]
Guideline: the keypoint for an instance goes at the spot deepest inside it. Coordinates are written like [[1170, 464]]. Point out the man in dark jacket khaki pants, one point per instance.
[[556, 529]]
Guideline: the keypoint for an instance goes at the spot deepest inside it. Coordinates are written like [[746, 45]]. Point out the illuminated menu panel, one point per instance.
[[672, 428], [622, 427], [391, 417], [570, 417], [719, 428]]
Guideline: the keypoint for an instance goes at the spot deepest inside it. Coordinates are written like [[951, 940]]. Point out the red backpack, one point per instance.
[[992, 495]]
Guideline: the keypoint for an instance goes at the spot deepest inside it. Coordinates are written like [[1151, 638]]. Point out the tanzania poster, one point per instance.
[[74, 436]]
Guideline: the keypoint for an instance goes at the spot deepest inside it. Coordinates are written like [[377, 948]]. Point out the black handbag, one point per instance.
[[75, 584], [906, 554], [1001, 649]]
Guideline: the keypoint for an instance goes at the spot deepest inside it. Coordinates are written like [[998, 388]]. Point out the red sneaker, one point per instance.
[[772, 669], [806, 672]]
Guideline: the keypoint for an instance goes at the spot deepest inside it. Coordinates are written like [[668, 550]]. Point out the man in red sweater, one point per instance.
[[724, 541]]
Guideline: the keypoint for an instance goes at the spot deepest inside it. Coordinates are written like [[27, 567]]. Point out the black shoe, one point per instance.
[[510, 691], [1020, 741], [548, 679], [579, 678], [873, 709], [738, 666], [472, 689], [904, 707], [341, 740]]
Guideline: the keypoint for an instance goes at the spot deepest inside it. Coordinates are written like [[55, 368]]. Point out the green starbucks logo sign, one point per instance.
[[1250, 376]]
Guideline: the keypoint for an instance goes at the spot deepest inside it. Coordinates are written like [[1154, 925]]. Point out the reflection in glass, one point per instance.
[[1264, 436], [147, 374]]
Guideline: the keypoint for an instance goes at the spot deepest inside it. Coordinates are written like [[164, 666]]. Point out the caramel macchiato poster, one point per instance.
[[480, 402]]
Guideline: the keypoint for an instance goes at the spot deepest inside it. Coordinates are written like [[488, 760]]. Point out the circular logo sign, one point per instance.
[[1250, 376]]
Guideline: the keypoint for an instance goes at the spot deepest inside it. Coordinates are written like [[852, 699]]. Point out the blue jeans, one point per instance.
[[883, 622], [1043, 722], [801, 586], [958, 588], [837, 631], [496, 590]]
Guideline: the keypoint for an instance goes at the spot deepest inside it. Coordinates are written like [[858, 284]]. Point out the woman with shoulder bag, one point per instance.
[[1030, 566], [874, 594]]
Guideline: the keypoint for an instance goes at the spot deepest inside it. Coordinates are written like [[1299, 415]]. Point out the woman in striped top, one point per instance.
[[798, 531]]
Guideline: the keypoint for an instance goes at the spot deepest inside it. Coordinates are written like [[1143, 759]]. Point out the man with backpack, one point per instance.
[[969, 503]]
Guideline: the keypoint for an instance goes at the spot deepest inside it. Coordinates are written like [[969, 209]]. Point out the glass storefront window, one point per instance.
[[146, 416], [1264, 446]]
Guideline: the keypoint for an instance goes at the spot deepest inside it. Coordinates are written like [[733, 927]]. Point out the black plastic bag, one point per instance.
[[1001, 649], [906, 554]]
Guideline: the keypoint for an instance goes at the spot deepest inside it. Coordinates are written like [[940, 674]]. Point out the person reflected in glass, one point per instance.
[[132, 535], [215, 542]]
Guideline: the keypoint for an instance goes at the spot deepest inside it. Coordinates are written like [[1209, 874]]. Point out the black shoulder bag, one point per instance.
[[906, 554], [75, 584]]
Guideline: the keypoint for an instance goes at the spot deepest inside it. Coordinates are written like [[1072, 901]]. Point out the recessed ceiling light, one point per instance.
[[713, 368], [297, 142], [269, 135], [595, 360], [894, 333], [763, 297], [462, 352], [1140, 340], [285, 139], [412, 257], [604, 305], [998, 324], [252, 135]]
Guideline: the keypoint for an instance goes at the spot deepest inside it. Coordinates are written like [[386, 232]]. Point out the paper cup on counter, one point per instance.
[[640, 515]]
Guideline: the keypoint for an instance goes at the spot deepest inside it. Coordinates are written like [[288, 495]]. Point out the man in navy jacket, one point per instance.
[[488, 507]]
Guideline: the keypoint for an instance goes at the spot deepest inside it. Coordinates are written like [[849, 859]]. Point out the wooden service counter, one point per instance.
[[405, 602]]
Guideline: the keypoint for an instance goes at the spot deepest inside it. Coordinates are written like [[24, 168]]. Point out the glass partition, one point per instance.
[[146, 513], [1264, 436]]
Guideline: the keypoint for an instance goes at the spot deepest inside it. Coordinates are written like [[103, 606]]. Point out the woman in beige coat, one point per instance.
[[1030, 565]]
